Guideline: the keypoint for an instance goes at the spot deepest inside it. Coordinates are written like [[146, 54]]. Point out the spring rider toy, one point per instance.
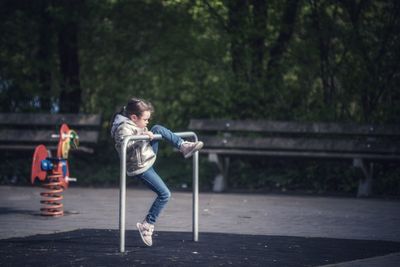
[[53, 172]]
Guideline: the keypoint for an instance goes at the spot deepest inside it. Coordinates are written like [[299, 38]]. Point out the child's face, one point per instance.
[[143, 120]]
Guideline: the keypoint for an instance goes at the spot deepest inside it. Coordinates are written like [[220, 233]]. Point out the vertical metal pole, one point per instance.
[[122, 196], [195, 223]]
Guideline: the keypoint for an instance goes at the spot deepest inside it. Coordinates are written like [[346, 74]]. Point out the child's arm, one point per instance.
[[150, 134], [120, 135]]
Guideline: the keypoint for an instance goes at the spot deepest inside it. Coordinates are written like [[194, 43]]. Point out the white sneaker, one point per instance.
[[189, 148], [146, 231]]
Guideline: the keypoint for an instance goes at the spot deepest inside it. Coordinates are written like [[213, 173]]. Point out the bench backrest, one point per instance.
[[23, 131], [329, 139]]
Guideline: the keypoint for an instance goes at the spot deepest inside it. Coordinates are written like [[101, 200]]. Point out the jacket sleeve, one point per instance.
[[122, 132]]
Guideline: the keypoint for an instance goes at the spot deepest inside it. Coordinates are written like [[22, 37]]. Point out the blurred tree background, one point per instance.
[[305, 60]]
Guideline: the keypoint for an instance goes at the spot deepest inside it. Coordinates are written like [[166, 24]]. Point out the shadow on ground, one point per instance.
[[92, 247], [8, 211]]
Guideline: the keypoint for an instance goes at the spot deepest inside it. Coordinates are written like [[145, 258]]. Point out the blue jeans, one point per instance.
[[153, 180]]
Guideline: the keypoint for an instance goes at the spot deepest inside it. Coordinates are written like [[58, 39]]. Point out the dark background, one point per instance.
[[303, 60]]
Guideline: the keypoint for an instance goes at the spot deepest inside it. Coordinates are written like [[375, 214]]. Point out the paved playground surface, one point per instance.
[[235, 230]]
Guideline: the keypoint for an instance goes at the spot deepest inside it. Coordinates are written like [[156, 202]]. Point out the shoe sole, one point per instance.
[[141, 235], [195, 149]]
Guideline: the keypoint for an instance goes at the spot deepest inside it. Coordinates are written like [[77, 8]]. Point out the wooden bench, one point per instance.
[[363, 144], [24, 131]]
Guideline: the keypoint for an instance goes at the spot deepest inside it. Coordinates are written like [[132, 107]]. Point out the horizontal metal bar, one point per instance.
[[294, 127], [309, 154], [82, 120], [13, 135], [159, 137], [51, 147], [343, 145]]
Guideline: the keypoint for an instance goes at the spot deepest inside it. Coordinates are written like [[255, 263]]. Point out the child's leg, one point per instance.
[[172, 138], [155, 183]]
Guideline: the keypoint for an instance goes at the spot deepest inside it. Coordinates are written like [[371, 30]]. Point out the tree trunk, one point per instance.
[[44, 57], [70, 96], [257, 39], [238, 11], [324, 50], [286, 31]]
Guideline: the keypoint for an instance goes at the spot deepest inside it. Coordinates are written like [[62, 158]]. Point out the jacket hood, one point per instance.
[[119, 119]]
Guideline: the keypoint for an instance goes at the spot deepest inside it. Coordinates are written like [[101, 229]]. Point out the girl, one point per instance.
[[141, 155]]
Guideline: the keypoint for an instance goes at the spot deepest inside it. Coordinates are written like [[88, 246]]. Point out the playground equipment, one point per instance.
[[53, 172], [122, 195]]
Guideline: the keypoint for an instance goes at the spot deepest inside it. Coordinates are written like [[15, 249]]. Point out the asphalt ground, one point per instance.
[[235, 230]]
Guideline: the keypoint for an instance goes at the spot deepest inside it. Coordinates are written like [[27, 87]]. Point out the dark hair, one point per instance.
[[135, 106]]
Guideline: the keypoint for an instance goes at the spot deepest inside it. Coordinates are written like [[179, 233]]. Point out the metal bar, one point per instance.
[[309, 154], [122, 204], [195, 195], [294, 127]]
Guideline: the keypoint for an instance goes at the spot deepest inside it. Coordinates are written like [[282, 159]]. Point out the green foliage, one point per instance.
[[287, 60]]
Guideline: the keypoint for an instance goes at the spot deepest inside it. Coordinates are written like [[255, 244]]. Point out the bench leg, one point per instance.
[[365, 185], [220, 181]]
